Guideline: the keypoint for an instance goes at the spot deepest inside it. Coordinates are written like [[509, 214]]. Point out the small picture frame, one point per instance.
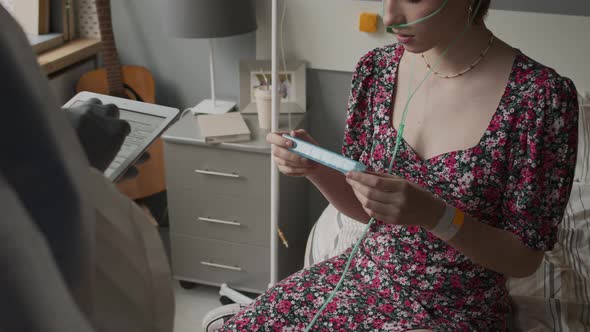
[[263, 78], [257, 73]]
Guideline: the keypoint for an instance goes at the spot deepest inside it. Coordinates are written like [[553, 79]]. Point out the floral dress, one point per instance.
[[517, 178]]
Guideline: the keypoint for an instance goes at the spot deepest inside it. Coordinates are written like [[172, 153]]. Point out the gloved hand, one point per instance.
[[132, 171], [99, 130]]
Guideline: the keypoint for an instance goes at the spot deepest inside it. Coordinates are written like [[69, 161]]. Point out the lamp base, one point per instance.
[[207, 107]]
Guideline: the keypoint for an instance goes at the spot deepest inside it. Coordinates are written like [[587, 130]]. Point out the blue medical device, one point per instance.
[[325, 157]]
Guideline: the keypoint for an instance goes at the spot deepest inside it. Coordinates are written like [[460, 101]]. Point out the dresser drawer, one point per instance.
[[214, 170], [214, 216], [215, 262]]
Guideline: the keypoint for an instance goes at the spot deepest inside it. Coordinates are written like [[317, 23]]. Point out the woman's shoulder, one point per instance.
[[543, 94], [541, 80], [380, 58]]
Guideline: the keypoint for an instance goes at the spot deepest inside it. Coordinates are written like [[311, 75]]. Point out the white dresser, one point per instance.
[[219, 207]]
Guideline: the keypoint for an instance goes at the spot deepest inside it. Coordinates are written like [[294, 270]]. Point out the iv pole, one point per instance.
[[274, 173]]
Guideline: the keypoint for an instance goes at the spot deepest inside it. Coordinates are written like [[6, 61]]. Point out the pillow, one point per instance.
[[582, 173], [331, 235]]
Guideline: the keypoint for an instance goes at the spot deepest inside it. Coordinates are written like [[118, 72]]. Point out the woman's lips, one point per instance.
[[404, 39]]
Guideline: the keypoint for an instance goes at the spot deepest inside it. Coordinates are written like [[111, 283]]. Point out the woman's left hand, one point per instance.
[[394, 200]]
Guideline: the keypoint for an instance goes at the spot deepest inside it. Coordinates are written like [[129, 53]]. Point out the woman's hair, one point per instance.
[[484, 6]]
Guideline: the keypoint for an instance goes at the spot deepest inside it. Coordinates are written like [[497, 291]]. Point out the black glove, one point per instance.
[[132, 171], [99, 130]]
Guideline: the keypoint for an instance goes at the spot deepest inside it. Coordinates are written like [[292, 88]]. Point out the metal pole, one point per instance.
[[274, 173]]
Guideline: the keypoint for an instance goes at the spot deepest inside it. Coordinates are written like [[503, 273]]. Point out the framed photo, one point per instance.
[[286, 88], [257, 73]]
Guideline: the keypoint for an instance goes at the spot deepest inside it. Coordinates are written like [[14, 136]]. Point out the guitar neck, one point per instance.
[[109, 48]]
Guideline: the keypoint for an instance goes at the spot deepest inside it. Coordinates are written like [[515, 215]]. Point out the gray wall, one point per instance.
[[180, 66], [328, 91], [327, 99], [64, 84], [181, 70]]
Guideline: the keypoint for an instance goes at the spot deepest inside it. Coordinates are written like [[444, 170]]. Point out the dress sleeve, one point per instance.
[[541, 167], [358, 120]]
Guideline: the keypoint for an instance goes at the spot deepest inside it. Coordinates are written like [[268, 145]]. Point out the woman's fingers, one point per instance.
[[374, 208], [382, 182], [289, 163], [388, 212], [380, 217], [367, 179], [304, 135], [283, 162], [278, 140], [383, 175], [383, 205], [287, 155], [371, 193], [292, 171]]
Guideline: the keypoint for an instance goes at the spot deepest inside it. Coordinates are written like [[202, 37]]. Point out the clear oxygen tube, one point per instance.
[[399, 137]]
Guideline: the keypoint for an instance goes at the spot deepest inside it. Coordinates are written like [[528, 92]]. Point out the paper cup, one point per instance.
[[264, 106]]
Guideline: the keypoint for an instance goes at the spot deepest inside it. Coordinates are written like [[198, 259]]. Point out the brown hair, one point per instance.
[[484, 6]]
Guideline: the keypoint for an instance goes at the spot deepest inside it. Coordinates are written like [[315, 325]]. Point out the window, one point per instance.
[[48, 23], [53, 32]]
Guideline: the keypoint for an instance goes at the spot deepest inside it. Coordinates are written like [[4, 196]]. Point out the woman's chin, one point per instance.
[[413, 45], [415, 48]]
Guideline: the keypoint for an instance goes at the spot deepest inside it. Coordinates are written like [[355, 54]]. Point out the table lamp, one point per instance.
[[210, 19]]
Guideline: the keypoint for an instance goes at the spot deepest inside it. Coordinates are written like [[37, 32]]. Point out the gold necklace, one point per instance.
[[481, 56]]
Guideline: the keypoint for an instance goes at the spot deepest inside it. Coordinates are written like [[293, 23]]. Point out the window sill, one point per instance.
[[68, 54]]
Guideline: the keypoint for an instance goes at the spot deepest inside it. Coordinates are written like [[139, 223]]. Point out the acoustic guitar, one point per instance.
[[131, 82]]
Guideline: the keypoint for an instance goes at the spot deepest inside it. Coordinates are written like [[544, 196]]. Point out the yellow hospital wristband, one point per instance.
[[449, 225]]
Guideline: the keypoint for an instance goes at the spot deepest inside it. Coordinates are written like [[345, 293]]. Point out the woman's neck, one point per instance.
[[463, 52]]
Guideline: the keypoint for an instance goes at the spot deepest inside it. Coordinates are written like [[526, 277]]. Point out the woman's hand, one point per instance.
[[394, 200], [290, 163]]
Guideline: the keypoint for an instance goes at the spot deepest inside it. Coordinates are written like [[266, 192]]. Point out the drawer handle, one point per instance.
[[220, 266], [227, 175], [219, 221]]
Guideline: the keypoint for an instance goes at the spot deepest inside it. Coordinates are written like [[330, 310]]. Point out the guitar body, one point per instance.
[[138, 82], [138, 78]]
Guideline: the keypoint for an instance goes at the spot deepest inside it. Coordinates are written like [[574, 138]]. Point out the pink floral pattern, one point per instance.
[[518, 178]]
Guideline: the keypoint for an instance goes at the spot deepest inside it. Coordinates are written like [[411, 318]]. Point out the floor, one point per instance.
[[192, 305]]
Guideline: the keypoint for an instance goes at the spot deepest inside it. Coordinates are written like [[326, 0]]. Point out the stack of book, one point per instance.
[[223, 128]]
